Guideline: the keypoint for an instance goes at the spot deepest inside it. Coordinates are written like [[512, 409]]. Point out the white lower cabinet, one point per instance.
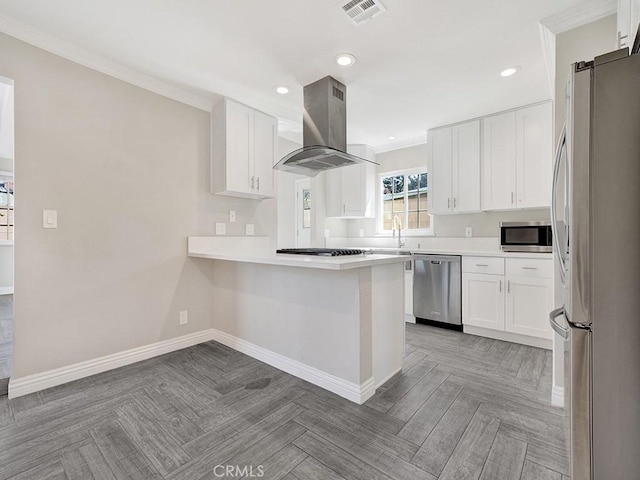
[[513, 295], [408, 292], [483, 300], [529, 301]]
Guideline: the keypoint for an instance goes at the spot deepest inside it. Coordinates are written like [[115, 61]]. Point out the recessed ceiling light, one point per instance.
[[345, 59], [282, 90], [507, 72], [391, 137]]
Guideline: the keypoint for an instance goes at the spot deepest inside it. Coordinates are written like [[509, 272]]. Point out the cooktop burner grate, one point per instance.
[[325, 252]]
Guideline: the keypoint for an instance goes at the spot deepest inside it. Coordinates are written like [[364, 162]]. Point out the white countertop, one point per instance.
[[306, 261], [486, 253]]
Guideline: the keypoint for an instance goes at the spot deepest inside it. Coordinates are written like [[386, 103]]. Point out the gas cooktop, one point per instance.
[[325, 252]]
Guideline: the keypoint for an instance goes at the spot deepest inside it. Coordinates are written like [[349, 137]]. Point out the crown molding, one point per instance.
[[579, 15], [40, 39], [398, 144]]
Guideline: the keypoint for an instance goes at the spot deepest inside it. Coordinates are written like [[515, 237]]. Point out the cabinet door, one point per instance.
[[353, 191], [408, 291], [483, 300], [628, 18], [439, 170], [529, 301], [534, 156], [239, 142], [466, 167], [499, 162], [265, 138], [333, 192]]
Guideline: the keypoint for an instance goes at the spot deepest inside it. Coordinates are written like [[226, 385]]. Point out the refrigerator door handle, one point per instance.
[[559, 329], [562, 142]]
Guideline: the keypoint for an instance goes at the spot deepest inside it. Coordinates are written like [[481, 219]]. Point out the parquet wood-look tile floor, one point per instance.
[[464, 407]]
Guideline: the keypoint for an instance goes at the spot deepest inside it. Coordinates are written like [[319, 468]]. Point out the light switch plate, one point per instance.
[[326, 233], [184, 318], [221, 228], [249, 229], [49, 219], [232, 216]]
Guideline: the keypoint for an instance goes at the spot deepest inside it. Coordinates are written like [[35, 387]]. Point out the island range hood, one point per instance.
[[324, 131]]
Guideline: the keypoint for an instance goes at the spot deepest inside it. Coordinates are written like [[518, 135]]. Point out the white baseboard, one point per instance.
[[409, 318], [509, 337], [349, 390], [6, 290], [51, 378], [557, 396]]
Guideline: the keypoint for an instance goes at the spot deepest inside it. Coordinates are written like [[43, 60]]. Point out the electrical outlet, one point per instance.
[[249, 229], [184, 319], [232, 216], [221, 228], [326, 233], [361, 232], [468, 232], [49, 219]]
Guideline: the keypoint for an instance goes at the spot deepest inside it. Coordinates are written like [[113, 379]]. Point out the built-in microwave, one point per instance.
[[525, 237]]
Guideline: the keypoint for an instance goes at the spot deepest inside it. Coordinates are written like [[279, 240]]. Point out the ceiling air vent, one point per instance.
[[359, 11]]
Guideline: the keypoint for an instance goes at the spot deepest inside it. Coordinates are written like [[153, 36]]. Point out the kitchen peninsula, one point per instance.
[[337, 322]]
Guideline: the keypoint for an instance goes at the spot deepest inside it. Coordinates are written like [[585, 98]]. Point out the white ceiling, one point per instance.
[[421, 64]]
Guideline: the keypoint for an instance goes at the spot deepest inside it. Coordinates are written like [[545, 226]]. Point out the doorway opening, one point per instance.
[[7, 204]]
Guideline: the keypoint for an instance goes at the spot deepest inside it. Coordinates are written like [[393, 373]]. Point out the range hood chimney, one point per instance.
[[324, 131]]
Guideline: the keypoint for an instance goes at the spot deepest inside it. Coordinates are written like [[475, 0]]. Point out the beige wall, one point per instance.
[[582, 43], [127, 170]]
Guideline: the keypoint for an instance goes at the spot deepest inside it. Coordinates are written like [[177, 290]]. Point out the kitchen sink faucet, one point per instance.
[[397, 226]]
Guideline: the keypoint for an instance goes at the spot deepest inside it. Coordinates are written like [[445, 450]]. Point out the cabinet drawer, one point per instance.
[[530, 267], [490, 265]]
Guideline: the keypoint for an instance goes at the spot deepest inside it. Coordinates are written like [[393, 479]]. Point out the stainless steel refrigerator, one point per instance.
[[596, 223]]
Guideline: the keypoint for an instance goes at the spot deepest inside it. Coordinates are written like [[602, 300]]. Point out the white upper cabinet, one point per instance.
[[243, 151], [454, 168], [350, 191], [498, 162], [439, 170], [628, 19], [465, 177], [534, 156], [266, 144], [517, 159]]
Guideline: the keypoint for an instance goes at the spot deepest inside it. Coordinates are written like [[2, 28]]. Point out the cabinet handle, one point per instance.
[[481, 265], [500, 286], [454, 202], [511, 198], [622, 37], [529, 268], [258, 183], [448, 203], [344, 208], [508, 286], [252, 182]]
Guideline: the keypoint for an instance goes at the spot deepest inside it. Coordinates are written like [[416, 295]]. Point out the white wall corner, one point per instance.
[[548, 40], [59, 47], [557, 396], [579, 15]]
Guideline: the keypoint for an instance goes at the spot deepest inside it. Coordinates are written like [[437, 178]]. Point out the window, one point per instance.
[[404, 194]]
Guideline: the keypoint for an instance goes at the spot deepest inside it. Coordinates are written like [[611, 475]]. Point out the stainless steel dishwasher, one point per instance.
[[437, 290]]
